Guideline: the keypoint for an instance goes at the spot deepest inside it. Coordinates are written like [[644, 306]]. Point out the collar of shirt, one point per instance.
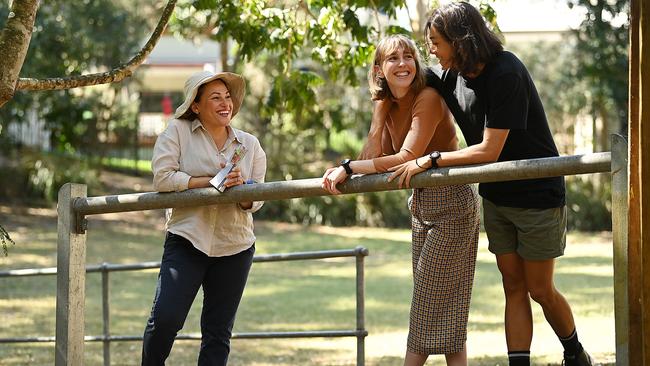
[[232, 134]]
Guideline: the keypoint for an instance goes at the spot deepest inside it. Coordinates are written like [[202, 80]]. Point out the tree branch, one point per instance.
[[5, 239], [113, 76], [14, 43], [376, 12]]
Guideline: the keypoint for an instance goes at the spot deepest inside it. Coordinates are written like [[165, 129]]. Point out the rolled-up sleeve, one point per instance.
[[425, 116], [165, 163], [258, 172]]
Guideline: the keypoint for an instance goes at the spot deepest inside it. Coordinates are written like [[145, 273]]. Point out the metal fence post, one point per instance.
[[106, 314], [361, 326], [619, 228], [71, 278]]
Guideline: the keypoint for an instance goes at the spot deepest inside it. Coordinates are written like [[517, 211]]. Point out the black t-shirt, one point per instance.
[[504, 96]]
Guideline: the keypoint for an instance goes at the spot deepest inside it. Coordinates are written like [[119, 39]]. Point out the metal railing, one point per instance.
[[106, 268], [74, 206]]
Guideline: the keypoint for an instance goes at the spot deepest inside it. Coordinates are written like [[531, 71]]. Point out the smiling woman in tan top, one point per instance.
[[209, 246], [410, 120]]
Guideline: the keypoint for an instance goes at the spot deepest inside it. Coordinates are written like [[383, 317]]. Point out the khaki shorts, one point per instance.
[[533, 233]]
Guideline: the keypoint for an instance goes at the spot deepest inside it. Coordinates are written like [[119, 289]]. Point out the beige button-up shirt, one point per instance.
[[184, 150]]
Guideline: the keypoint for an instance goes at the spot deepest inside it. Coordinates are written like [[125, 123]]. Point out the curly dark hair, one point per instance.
[[463, 26]]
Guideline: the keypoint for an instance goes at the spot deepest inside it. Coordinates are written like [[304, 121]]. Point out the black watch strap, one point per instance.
[[345, 163], [434, 156]]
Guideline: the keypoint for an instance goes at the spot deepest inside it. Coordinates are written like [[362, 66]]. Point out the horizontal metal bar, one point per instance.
[[254, 335], [197, 336], [306, 334], [481, 173], [358, 251], [322, 254], [89, 269], [29, 272], [28, 340]]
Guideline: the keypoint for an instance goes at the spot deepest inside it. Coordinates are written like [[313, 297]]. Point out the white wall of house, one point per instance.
[[31, 132], [165, 70]]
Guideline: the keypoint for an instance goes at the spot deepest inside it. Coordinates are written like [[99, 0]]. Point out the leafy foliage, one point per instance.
[[600, 63], [306, 62], [70, 38], [35, 177], [589, 206], [5, 239], [562, 95], [586, 75]]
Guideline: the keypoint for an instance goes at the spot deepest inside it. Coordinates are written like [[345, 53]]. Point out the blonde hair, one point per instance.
[[378, 86], [379, 90]]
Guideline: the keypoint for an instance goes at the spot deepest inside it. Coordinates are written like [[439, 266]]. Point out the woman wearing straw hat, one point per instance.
[[208, 246]]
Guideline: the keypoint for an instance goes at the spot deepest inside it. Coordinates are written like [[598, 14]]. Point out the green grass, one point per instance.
[[143, 166], [305, 295]]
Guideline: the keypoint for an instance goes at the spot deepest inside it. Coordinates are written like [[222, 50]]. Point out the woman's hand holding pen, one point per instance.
[[234, 178]]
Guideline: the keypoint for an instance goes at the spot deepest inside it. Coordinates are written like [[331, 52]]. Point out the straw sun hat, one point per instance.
[[235, 84]]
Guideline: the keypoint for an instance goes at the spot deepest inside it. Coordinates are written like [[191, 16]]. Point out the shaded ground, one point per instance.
[[117, 183], [285, 297]]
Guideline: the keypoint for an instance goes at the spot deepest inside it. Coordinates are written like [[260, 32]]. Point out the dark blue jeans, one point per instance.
[[183, 270]]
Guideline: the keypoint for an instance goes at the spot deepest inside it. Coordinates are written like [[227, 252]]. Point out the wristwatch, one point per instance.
[[434, 156], [345, 163]]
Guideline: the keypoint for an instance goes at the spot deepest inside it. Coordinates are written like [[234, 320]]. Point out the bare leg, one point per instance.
[[518, 315], [457, 359], [539, 280], [414, 359], [453, 359]]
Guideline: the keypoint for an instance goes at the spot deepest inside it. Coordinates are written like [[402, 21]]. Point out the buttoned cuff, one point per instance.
[[256, 206], [181, 181]]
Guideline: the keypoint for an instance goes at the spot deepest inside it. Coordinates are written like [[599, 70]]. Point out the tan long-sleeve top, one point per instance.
[[184, 150], [416, 125]]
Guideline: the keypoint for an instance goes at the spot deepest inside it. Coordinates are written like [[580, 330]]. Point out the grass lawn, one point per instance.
[[285, 296]]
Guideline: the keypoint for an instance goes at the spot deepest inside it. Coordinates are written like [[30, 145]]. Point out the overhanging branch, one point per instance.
[[14, 43], [113, 76]]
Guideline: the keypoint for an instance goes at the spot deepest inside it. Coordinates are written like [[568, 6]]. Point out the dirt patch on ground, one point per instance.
[[118, 183], [13, 215]]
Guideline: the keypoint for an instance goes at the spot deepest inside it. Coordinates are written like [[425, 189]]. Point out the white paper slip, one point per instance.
[[219, 180]]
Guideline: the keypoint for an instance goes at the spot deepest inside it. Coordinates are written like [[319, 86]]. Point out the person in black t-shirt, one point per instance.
[[496, 105]]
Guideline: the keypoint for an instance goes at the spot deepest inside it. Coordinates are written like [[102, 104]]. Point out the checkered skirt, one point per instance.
[[445, 224]]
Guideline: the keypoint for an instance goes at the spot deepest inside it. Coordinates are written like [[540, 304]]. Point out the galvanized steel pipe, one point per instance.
[[481, 173]]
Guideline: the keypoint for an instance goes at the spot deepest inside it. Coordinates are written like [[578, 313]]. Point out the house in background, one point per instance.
[[162, 78]]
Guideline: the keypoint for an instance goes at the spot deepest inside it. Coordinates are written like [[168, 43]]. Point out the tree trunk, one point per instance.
[[14, 43], [223, 50]]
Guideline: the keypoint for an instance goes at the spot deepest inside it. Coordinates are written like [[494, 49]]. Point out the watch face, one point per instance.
[[434, 156], [345, 163]]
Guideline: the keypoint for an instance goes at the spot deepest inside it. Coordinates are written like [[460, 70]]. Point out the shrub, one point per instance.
[[37, 177], [371, 209], [589, 204]]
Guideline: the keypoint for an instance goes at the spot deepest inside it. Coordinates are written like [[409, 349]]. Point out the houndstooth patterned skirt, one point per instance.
[[445, 224]]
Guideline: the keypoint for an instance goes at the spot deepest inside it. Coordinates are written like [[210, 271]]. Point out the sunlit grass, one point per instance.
[[287, 296], [129, 164]]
